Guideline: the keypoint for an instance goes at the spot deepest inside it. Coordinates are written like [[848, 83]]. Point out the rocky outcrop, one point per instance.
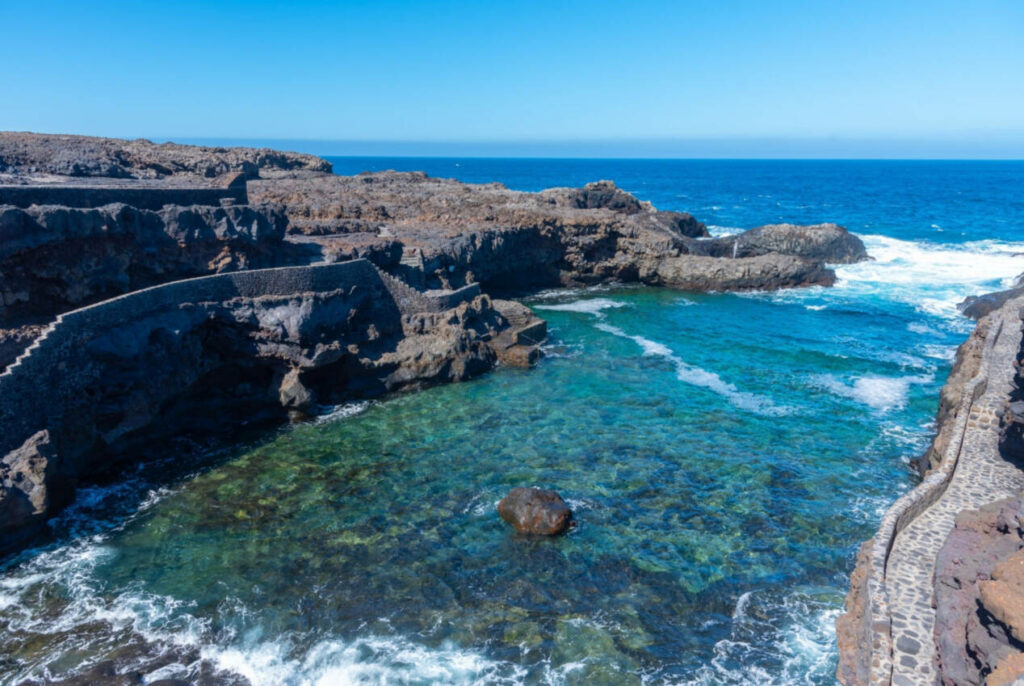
[[979, 594], [443, 233], [54, 258], [34, 483], [537, 511], [828, 243], [35, 154], [977, 306], [764, 272], [202, 356]]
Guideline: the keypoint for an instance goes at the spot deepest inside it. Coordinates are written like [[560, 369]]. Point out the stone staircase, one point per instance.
[[407, 298], [31, 348]]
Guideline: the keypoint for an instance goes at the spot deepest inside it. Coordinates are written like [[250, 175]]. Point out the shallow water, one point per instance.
[[724, 455]]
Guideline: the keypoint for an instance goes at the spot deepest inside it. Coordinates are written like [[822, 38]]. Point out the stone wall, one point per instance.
[[144, 197], [31, 388], [873, 661]]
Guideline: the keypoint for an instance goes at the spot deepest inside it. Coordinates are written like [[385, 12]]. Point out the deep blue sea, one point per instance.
[[725, 455]]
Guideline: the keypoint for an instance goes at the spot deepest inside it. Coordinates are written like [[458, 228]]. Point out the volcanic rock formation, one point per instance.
[[205, 356]]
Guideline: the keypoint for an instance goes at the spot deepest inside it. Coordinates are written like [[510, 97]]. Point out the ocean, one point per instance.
[[725, 454]]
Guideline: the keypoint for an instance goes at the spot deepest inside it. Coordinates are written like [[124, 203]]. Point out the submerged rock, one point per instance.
[[535, 511]]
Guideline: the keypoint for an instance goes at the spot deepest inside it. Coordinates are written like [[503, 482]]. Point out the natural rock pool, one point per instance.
[[724, 454]]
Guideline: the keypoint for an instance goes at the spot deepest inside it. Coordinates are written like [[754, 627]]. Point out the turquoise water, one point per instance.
[[724, 454]]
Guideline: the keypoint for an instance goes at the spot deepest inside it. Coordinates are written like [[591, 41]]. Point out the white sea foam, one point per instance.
[[932, 277], [561, 350], [368, 660], [166, 622], [717, 231], [801, 650], [344, 411], [881, 393], [587, 306], [697, 376], [923, 329], [937, 351], [563, 293]]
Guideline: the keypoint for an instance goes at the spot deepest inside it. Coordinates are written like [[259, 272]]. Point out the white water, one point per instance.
[[931, 278], [686, 373], [802, 653], [880, 393]]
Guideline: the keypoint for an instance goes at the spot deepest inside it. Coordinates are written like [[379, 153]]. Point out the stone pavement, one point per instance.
[[981, 476]]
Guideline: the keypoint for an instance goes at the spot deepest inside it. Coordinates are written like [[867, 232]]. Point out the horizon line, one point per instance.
[[748, 148]]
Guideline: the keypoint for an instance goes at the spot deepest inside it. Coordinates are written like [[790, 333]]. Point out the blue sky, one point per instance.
[[768, 78]]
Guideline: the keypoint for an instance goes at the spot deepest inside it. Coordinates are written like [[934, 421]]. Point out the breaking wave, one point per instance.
[[880, 393]]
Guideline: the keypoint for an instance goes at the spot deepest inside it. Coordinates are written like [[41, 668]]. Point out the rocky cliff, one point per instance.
[[205, 356], [433, 233]]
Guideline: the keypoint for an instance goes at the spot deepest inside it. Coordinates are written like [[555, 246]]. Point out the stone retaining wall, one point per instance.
[[877, 621], [31, 387], [147, 197]]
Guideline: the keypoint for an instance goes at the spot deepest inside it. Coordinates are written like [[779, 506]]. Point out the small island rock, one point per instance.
[[535, 511]]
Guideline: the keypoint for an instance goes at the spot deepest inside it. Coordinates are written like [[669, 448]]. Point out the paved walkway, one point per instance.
[[981, 476]]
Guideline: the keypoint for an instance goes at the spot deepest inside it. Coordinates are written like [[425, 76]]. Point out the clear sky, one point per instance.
[[728, 78]]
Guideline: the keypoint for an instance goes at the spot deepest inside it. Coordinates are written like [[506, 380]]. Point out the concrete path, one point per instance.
[[981, 476]]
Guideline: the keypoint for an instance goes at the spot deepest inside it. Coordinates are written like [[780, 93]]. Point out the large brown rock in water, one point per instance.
[[535, 511]]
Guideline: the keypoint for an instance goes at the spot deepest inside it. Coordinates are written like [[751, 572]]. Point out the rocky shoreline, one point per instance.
[[202, 357]]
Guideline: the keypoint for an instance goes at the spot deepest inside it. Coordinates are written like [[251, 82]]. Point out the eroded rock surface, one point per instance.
[[828, 243], [53, 258], [851, 637], [444, 233], [965, 367], [979, 596], [32, 153]]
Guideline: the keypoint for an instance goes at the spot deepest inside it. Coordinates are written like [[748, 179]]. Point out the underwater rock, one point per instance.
[[535, 511]]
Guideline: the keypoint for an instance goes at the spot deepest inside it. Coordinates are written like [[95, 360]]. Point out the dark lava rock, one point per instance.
[[829, 243], [111, 157], [535, 511]]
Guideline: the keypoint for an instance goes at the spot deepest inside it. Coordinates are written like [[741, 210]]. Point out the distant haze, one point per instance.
[[737, 78], [995, 148]]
